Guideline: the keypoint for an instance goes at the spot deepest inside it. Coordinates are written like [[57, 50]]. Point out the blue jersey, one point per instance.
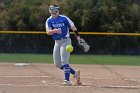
[[62, 22]]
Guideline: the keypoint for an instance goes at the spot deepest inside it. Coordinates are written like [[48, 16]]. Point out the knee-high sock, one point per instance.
[[66, 71], [72, 71]]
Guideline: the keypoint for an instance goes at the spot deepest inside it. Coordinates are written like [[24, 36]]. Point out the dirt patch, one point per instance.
[[46, 78]]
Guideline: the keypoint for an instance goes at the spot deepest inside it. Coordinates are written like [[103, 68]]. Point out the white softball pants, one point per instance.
[[60, 55]]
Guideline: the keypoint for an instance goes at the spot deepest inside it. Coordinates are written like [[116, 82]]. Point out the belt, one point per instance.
[[62, 38]]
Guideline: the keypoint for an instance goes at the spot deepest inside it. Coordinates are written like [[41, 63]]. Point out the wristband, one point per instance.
[[76, 33]]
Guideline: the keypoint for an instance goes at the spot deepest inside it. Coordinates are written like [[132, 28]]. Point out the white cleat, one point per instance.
[[77, 76], [67, 83]]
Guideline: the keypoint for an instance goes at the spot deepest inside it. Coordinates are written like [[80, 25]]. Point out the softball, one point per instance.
[[69, 48]]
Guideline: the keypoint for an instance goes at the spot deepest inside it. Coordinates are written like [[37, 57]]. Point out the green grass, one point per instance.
[[106, 59], [26, 58], [74, 59]]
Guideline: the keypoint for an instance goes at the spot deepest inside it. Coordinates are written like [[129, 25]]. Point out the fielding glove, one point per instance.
[[83, 45]]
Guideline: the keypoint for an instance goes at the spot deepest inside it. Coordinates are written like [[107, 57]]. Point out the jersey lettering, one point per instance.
[[58, 25]]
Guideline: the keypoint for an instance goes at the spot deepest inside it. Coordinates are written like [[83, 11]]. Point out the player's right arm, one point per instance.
[[54, 31], [49, 29]]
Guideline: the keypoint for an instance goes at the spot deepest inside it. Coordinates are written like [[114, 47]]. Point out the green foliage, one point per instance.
[[98, 15]]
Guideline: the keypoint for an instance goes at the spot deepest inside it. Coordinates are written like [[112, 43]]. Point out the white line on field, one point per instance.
[[96, 78], [132, 79], [35, 85], [128, 87], [43, 76], [30, 85], [32, 76], [24, 76]]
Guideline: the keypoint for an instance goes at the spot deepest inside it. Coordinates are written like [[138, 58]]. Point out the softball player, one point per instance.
[[58, 26]]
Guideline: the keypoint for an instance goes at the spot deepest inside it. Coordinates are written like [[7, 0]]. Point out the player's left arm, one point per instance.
[[71, 25], [74, 29], [82, 43]]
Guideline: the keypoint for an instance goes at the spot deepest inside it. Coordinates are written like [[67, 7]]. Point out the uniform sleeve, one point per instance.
[[69, 22], [48, 25]]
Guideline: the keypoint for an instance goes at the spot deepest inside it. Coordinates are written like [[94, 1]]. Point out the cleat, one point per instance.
[[67, 83], [77, 76]]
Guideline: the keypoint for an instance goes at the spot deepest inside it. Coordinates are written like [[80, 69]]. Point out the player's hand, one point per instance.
[[83, 45], [58, 31], [78, 38]]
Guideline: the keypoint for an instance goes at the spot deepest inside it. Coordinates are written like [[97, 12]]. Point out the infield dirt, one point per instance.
[[46, 78]]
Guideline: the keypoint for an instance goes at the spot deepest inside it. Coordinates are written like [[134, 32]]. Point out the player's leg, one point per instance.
[[57, 60], [72, 71], [56, 54], [57, 57], [65, 59], [67, 42]]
